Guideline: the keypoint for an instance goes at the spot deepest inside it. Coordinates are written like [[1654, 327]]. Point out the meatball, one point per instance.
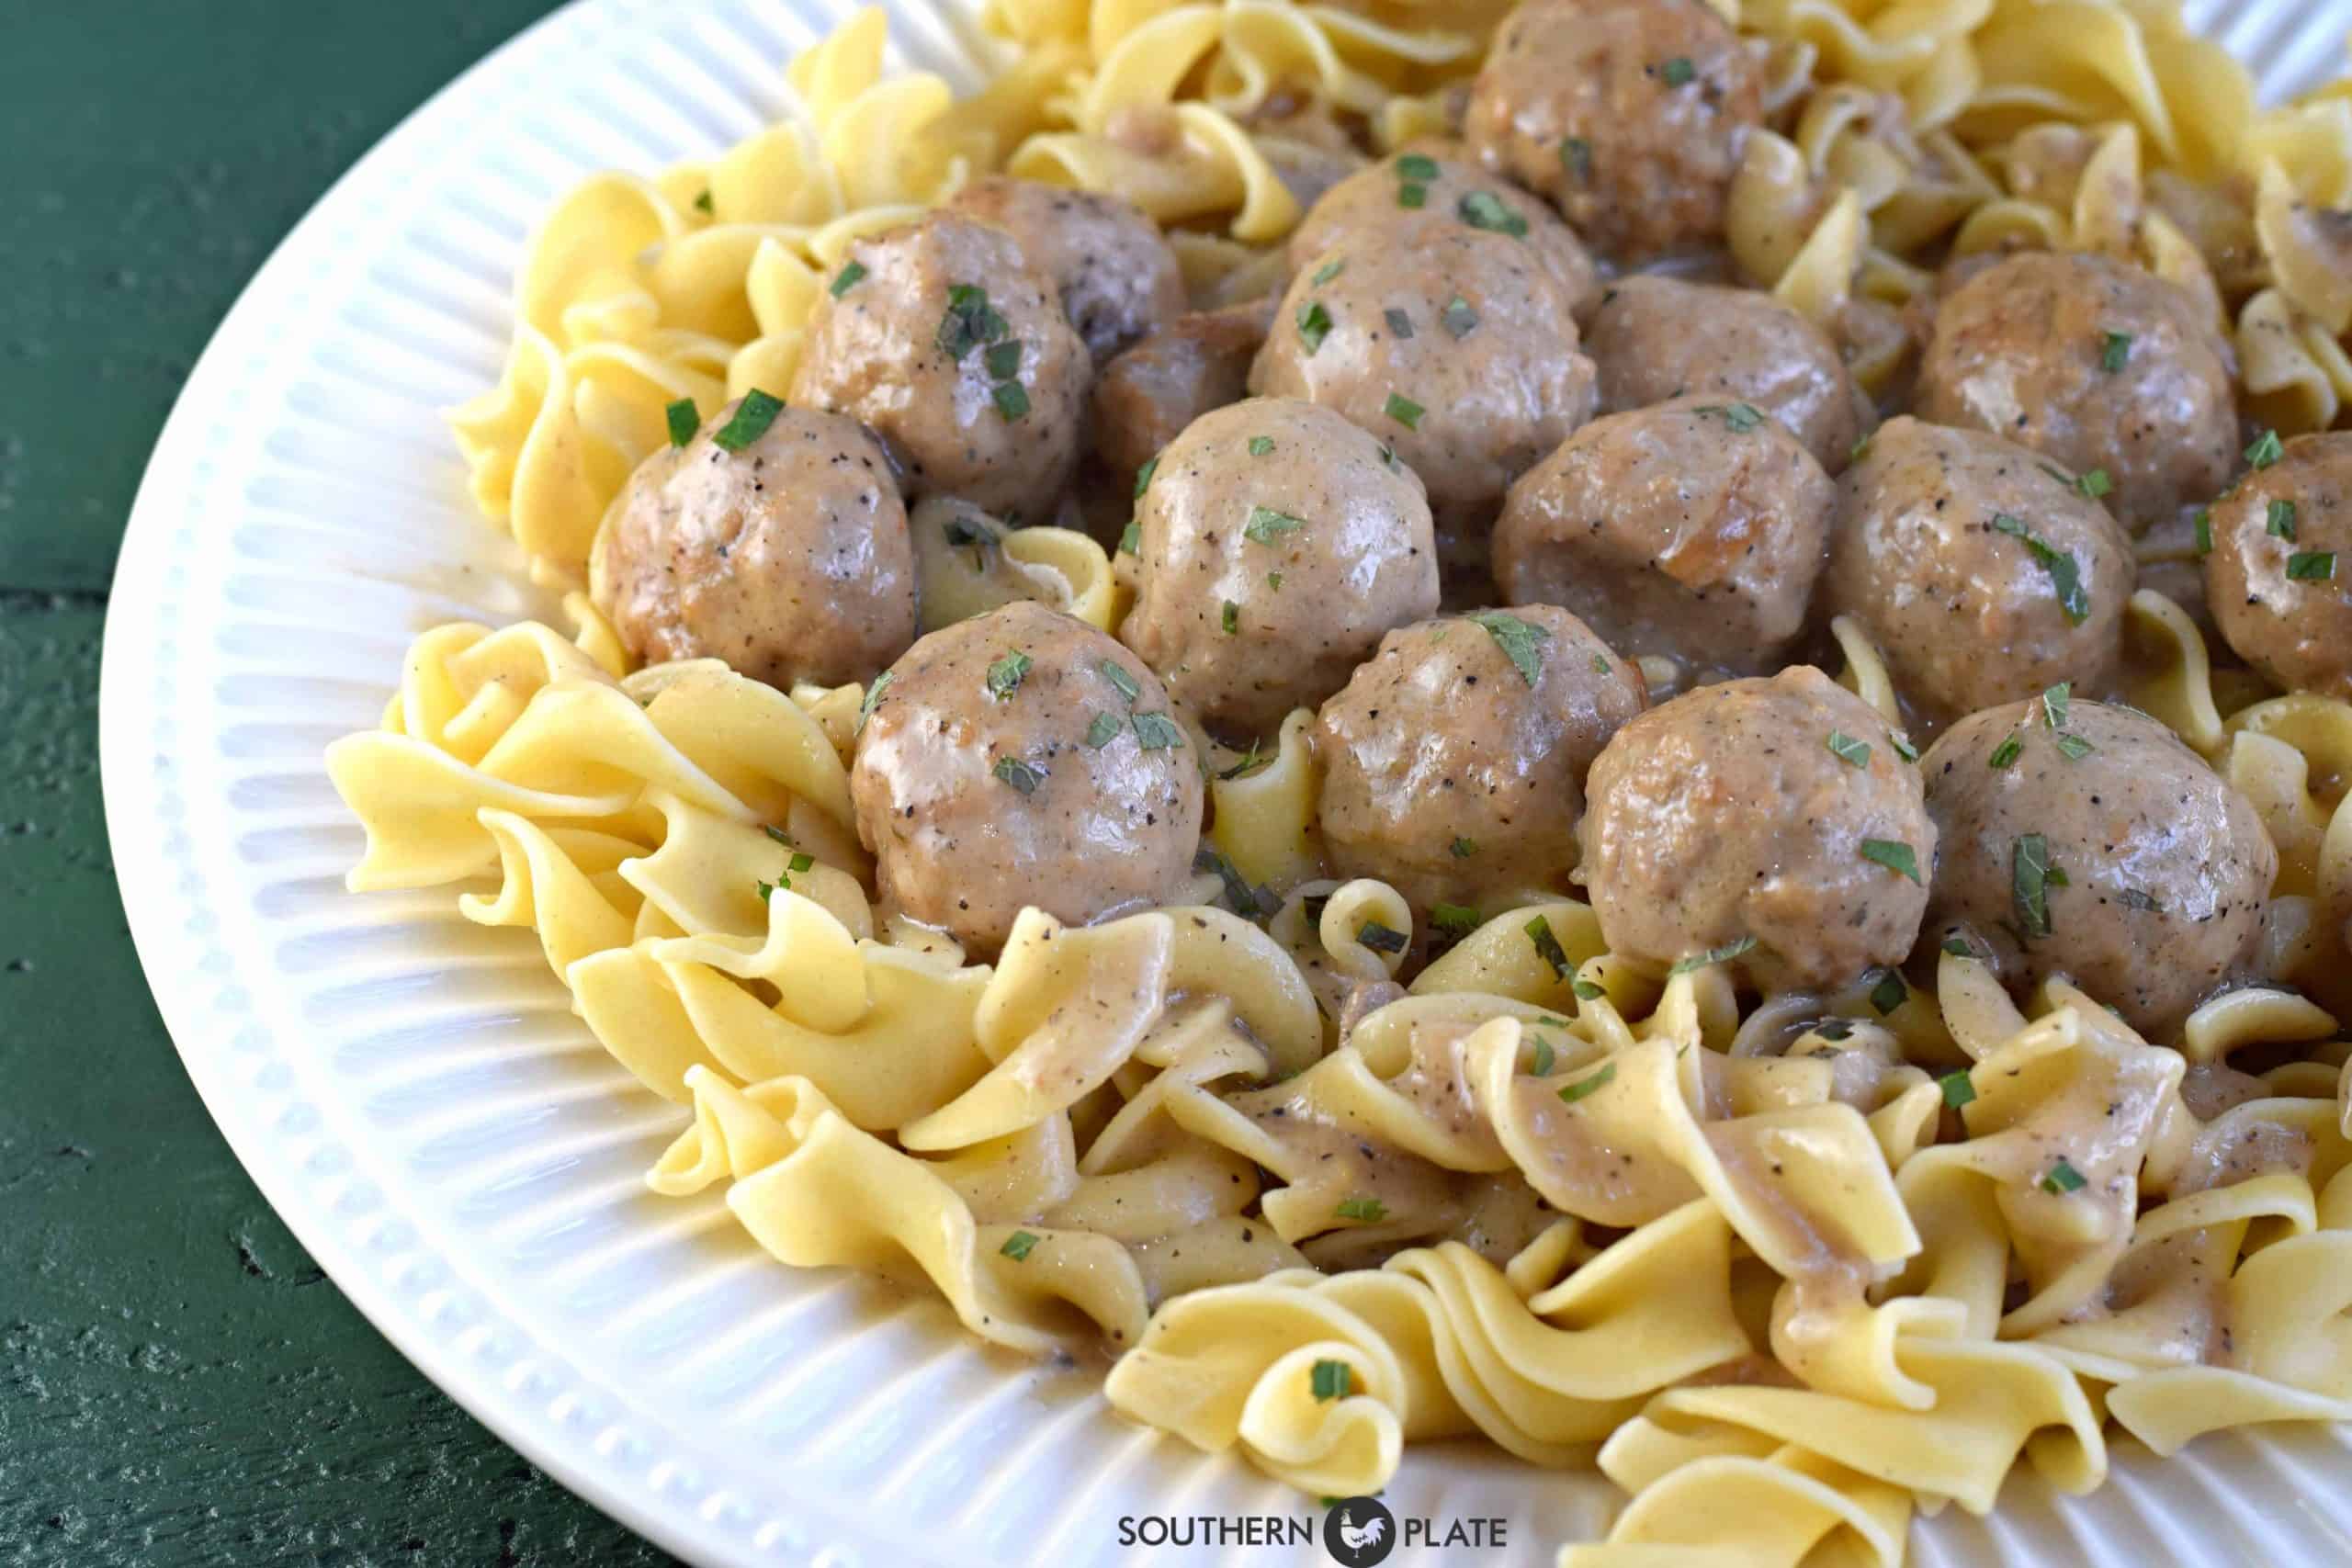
[[943, 339], [1454, 345], [1693, 530], [1982, 573], [1453, 760], [1630, 115], [1116, 274], [1144, 398], [2101, 849], [1022, 758], [2096, 363], [1275, 542], [1439, 178], [2279, 576], [788, 556], [1655, 338], [1769, 819]]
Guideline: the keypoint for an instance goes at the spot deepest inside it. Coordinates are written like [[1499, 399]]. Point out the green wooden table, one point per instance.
[[178, 1383]]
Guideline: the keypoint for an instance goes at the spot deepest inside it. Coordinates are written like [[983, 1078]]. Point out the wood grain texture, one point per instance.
[[178, 1382]]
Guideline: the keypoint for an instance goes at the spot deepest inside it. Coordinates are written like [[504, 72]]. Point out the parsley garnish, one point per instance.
[[2062, 1179], [969, 321], [1018, 773], [2114, 348], [1860, 449], [1274, 580], [2132, 898], [1484, 210], [1251, 760], [2281, 521], [2053, 703], [1679, 71], [1586, 991], [1380, 938], [1454, 920], [1847, 749], [2074, 748], [1004, 675], [1404, 411], [1723, 954], [1520, 640], [1542, 1064], [1332, 1380], [1329, 270], [1102, 731], [873, 696], [1412, 195], [1591, 1084], [1131, 539], [1547, 946], [753, 416], [1415, 166], [1958, 947], [1018, 1246], [1462, 848], [1458, 317], [852, 273], [2005, 752], [1889, 993], [2204, 531], [2030, 879], [2311, 566], [703, 202], [684, 420], [1250, 904], [1958, 1087], [1011, 399], [1261, 445], [1895, 855], [1266, 524], [1398, 322], [2094, 483], [1314, 324], [1361, 1208], [1576, 156], [2267, 449], [1741, 417], [1004, 359], [1143, 475], [1903, 747], [1231, 618], [1157, 732], [2065, 575]]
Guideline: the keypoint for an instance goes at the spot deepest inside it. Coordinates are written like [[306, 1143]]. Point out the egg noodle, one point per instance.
[[1836, 1280]]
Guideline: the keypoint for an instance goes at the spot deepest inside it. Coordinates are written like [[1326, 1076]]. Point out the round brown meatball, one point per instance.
[[1630, 116], [1438, 178], [1116, 274], [1145, 398], [1982, 573], [789, 558], [1454, 345], [1656, 338], [1772, 812], [1454, 760], [2115, 857], [1022, 758], [1275, 542], [1693, 530], [944, 340], [2094, 363], [2279, 576]]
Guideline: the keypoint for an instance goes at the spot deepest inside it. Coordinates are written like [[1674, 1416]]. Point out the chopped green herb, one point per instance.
[[1522, 641], [1958, 947], [1541, 1064], [1592, 1083], [1157, 732], [1261, 445], [2267, 449], [1004, 359], [2065, 575], [1600, 665], [1274, 580], [2132, 898], [1404, 411], [1231, 618], [1848, 750], [2094, 483], [1314, 324], [1011, 399], [779, 835], [1018, 1245], [1895, 855], [1018, 773], [1143, 475], [2053, 703], [1860, 449], [2311, 566], [766, 890], [1332, 1380], [1679, 71], [1380, 938], [751, 418], [2062, 1179], [2074, 748], [1412, 195], [1362, 1209], [684, 420], [1576, 156], [2281, 521], [1888, 992], [852, 273], [1454, 920], [1458, 317], [1398, 322], [2005, 752], [2114, 348], [873, 696], [1266, 524], [1723, 954], [1958, 1087], [1248, 903], [1833, 1029], [2204, 531], [1251, 762], [1484, 210], [1903, 747], [1462, 848], [1005, 674], [703, 203], [1586, 991], [1741, 417], [1416, 166], [1329, 270], [969, 321], [1131, 539], [1102, 731], [1547, 946], [1388, 456], [2030, 883]]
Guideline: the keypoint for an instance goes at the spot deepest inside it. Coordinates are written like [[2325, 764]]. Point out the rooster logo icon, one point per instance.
[[1359, 1531]]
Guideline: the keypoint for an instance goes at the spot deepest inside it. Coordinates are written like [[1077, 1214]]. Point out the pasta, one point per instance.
[[1337, 1169]]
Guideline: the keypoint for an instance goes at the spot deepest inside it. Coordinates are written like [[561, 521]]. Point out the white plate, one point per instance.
[[411, 1091]]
